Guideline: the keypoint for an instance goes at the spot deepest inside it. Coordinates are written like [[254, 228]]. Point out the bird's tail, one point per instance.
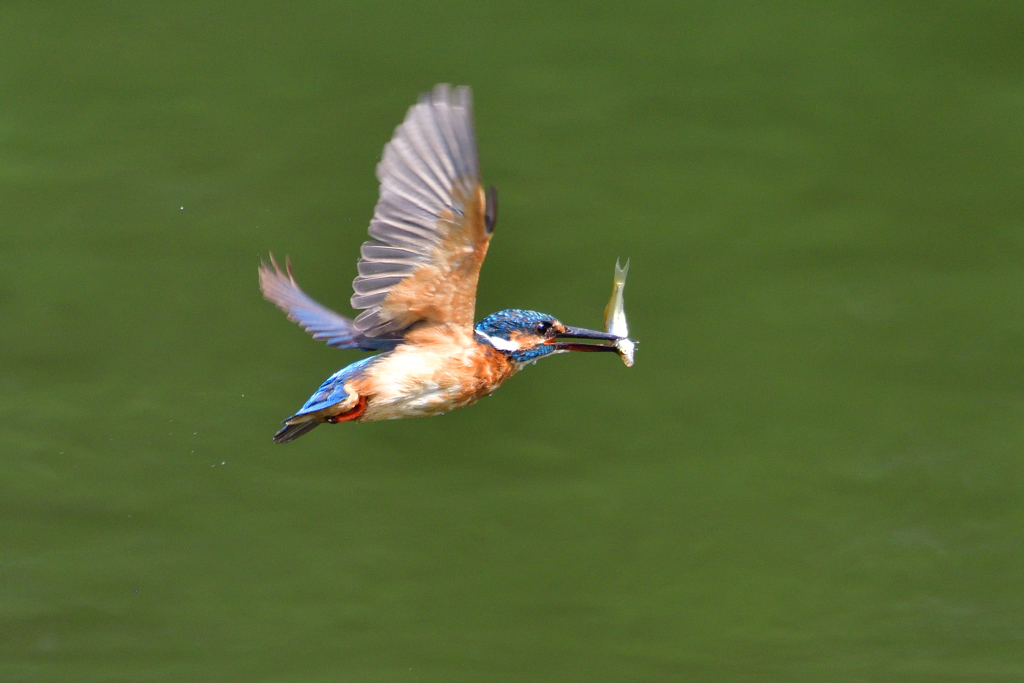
[[294, 431]]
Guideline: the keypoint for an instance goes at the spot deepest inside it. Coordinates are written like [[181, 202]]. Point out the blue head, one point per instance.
[[525, 336]]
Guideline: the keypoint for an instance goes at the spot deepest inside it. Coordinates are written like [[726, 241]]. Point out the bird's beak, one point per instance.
[[582, 333]]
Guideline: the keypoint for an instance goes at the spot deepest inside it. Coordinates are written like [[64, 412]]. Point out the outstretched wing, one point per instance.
[[279, 286], [431, 225]]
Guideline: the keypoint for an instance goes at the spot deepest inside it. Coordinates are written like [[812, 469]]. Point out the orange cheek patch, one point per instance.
[[525, 341]]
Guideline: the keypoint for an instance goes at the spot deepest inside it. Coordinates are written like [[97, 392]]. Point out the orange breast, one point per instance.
[[438, 369]]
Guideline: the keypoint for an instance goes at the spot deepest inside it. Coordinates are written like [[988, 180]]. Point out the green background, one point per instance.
[[813, 473]]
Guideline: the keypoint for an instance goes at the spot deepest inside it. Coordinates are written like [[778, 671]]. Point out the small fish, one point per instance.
[[615, 316]]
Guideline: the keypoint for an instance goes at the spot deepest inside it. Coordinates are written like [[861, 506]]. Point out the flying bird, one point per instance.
[[417, 287]]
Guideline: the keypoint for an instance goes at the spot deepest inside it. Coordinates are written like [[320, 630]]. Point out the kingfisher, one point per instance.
[[417, 285]]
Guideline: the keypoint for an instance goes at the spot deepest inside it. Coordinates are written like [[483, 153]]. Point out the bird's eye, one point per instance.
[[543, 328]]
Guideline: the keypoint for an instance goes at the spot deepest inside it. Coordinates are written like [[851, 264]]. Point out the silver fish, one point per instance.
[[615, 316]]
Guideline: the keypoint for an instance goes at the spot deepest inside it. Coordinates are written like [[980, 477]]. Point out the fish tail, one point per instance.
[[620, 272]]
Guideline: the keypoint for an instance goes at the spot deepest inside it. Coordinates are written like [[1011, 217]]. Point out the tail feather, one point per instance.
[[294, 431]]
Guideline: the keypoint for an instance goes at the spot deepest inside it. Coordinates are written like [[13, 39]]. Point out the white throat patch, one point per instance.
[[498, 343]]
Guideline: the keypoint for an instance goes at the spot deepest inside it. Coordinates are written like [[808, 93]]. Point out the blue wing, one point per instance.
[[280, 288], [330, 393], [333, 390]]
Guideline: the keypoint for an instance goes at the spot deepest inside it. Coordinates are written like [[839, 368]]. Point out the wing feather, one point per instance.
[[376, 283], [430, 131], [429, 230], [279, 287], [368, 301], [382, 267], [376, 251], [412, 158]]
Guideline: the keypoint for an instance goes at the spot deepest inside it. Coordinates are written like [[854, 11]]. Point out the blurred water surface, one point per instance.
[[813, 473]]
